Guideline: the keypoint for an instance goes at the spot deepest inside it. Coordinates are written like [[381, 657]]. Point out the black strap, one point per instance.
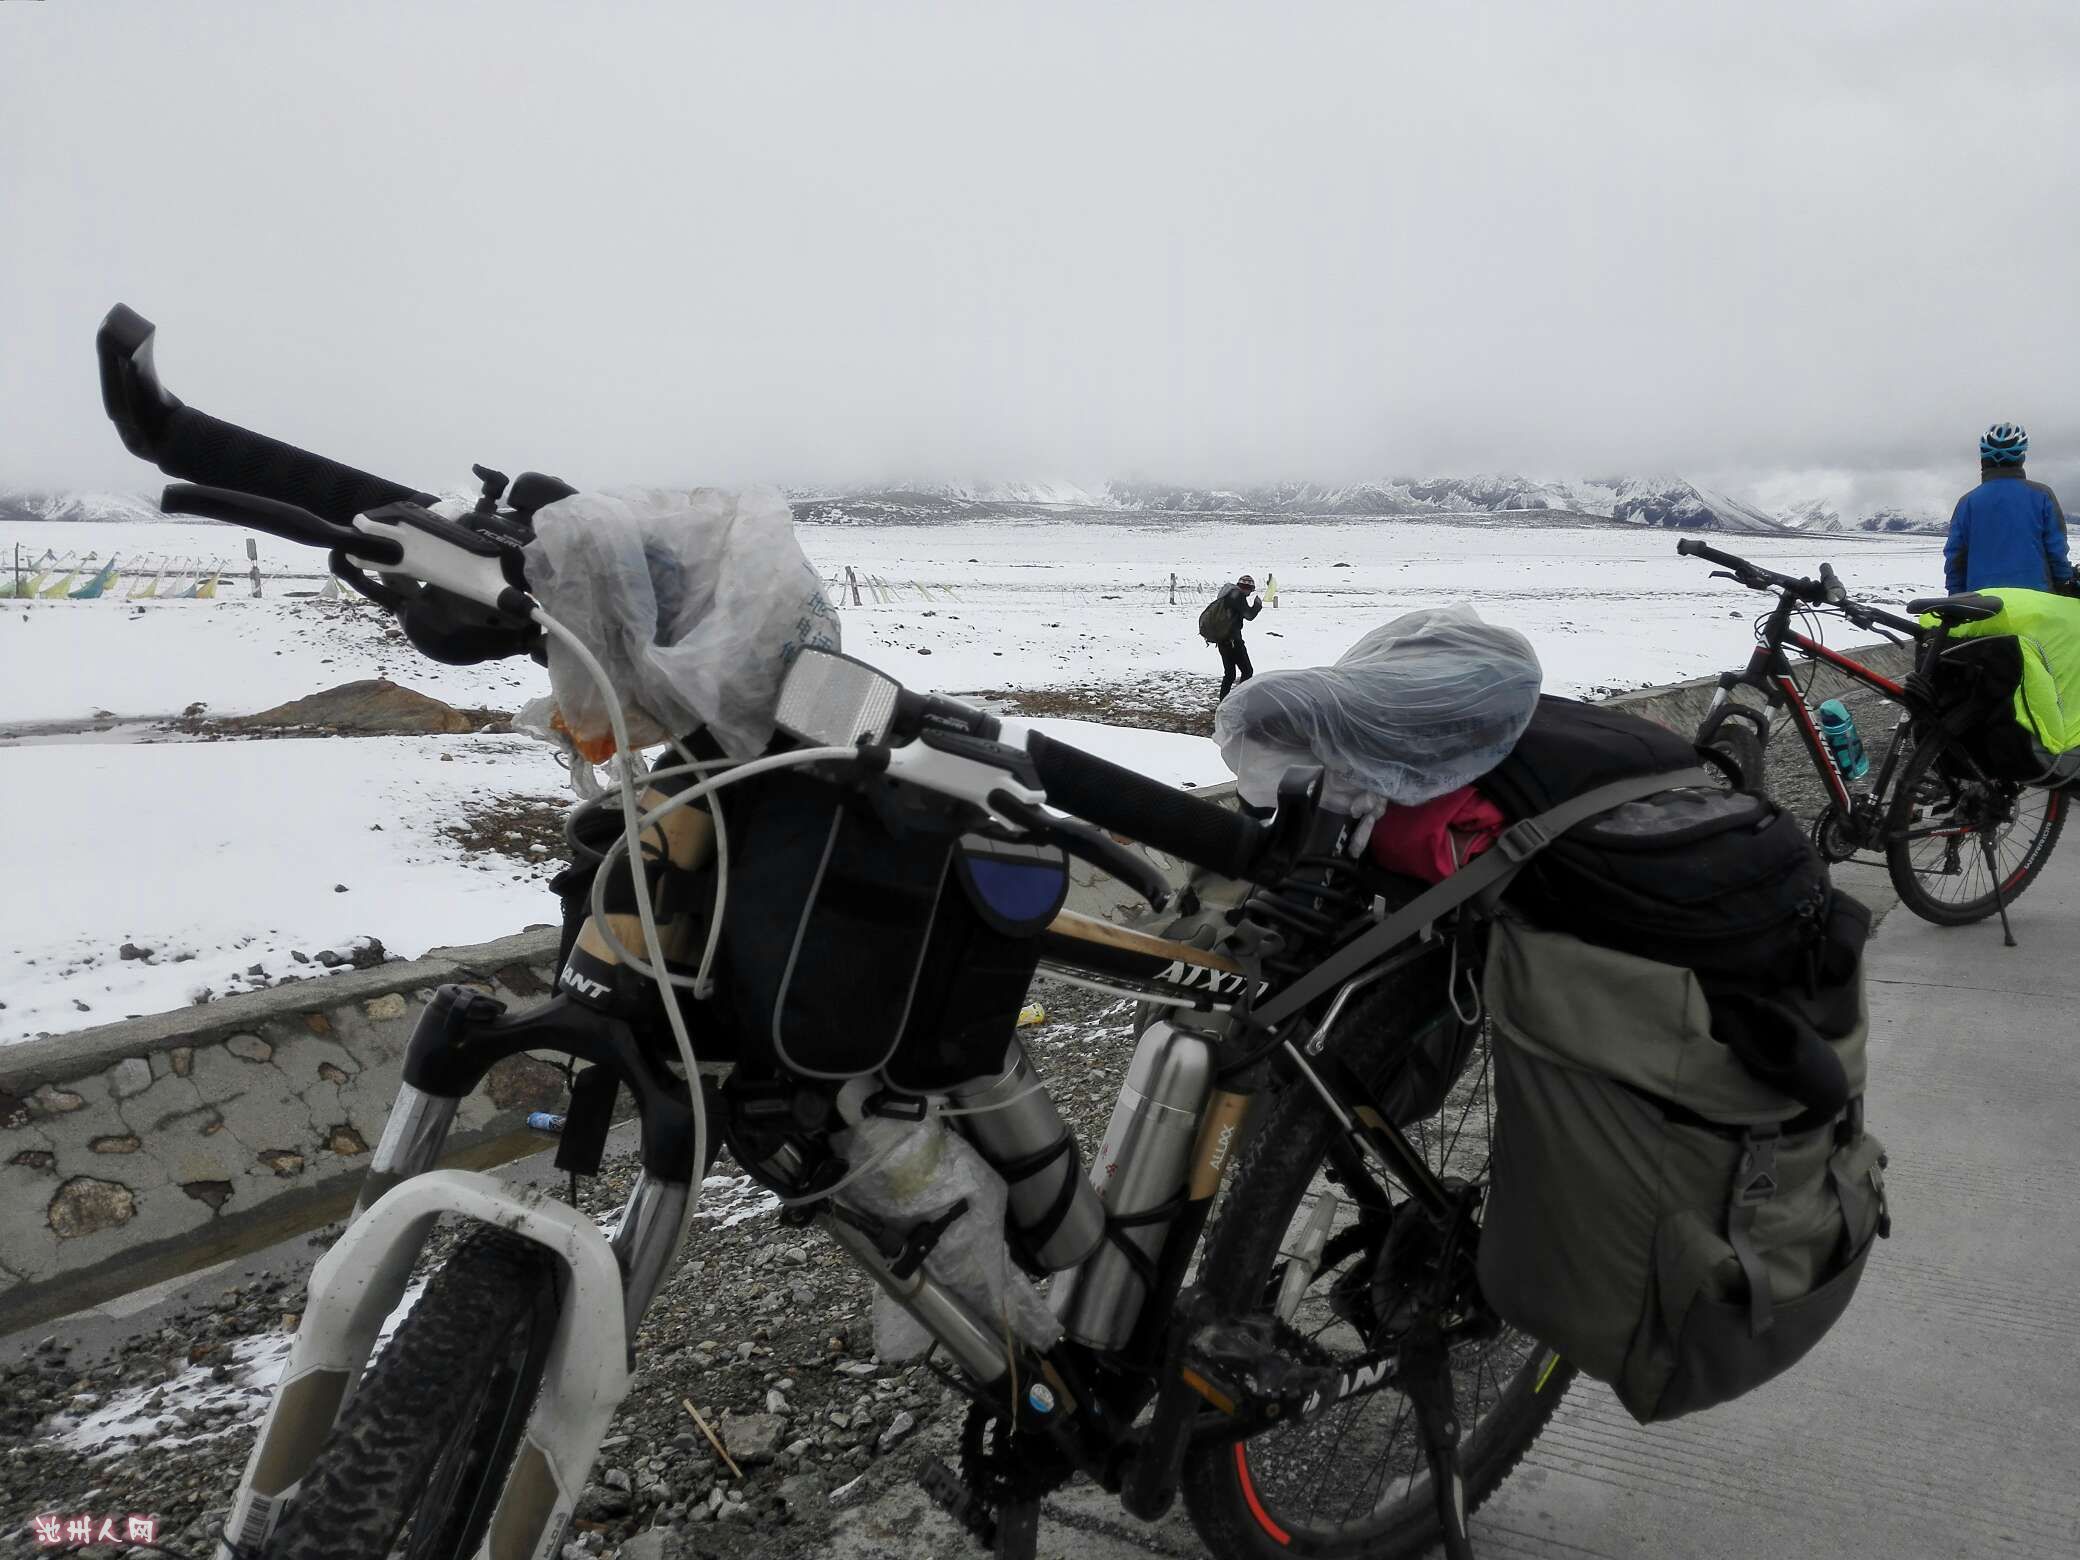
[[1490, 870], [1754, 1183]]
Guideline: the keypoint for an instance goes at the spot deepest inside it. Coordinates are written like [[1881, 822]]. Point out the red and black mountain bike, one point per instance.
[[1960, 843]]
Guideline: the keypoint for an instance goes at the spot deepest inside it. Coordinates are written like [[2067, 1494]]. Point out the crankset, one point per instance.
[[1004, 1475], [1838, 836]]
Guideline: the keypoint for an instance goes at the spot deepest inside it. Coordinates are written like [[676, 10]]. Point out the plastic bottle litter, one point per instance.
[[544, 1121]]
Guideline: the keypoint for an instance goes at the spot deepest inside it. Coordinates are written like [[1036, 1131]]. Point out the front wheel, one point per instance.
[[1355, 1482], [1940, 824], [1732, 748], [420, 1456]]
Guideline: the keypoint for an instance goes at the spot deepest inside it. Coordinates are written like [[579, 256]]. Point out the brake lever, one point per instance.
[[276, 519], [1088, 843]]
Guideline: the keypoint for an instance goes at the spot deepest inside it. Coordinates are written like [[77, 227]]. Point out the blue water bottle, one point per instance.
[[1839, 728]]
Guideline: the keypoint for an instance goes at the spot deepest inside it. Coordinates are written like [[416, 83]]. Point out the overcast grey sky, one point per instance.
[[802, 242]]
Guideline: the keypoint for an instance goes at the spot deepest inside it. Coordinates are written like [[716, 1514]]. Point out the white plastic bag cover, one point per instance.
[[538, 719], [919, 1171], [1418, 707], [695, 604]]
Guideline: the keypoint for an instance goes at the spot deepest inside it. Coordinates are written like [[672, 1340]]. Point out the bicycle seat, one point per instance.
[[1421, 705], [1973, 608]]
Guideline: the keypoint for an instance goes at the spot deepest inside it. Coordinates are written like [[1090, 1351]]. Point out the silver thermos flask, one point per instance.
[[1010, 1118], [1143, 1165]]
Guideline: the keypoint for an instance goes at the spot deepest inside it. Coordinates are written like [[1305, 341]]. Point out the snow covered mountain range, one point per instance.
[[1672, 502], [79, 506], [1669, 502]]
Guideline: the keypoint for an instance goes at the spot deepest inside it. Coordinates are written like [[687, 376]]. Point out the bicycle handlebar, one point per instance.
[[1827, 591], [1147, 810], [182, 442], [249, 479], [1753, 575]]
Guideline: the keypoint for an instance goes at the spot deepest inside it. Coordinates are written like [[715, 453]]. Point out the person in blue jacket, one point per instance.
[[2008, 530]]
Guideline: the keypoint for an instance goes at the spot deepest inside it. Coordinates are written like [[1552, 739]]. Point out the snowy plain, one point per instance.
[[222, 856]]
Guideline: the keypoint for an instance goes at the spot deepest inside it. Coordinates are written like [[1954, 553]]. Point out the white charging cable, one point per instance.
[[631, 824]]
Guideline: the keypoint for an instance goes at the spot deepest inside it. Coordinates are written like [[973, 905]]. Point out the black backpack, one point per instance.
[[1722, 882], [1217, 620]]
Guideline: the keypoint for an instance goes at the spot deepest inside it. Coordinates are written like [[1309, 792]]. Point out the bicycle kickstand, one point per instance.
[[2000, 900], [1426, 1376], [1018, 1531]]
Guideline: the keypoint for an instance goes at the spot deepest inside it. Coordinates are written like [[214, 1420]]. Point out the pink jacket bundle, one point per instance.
[[1429, 841]]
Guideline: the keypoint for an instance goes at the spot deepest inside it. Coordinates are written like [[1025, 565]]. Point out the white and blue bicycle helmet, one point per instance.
[[2004, 444]]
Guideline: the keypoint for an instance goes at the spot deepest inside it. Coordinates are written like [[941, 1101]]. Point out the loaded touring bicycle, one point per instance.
[[1271, 1289]]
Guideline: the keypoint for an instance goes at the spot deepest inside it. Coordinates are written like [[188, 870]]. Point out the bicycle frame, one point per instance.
[[1769, 671], [607, 1282]]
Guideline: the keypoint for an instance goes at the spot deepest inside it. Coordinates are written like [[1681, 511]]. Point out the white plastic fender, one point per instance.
[[360, 1281]]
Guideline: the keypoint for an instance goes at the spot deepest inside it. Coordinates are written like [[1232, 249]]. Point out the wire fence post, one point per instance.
[[852, 580], [1173, 587]]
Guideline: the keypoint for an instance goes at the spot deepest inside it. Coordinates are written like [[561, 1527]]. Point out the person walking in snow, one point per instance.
[[1226, 613], [2008, 530]]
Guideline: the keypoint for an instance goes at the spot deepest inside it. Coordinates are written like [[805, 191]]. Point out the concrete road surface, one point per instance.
[[1941, 1417]]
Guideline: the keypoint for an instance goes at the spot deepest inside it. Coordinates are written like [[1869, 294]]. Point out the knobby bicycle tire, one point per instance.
[[1733, 748], [457, 1379], [1919, 771], [1236, 1518]]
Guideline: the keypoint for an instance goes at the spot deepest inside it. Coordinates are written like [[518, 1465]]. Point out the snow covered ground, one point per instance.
[[219, 856], [1046, 602], [984, 604]]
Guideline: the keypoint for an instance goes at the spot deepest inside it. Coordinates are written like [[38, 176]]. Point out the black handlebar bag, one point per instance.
[[861, 936]]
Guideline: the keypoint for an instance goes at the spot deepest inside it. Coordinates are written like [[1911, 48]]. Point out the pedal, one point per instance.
[[951, 1496], [1243, 1369]]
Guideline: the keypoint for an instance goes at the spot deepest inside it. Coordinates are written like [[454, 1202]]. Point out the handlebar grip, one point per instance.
[[1143, 809], [1831, 588], [208, 450], [1690, 547]]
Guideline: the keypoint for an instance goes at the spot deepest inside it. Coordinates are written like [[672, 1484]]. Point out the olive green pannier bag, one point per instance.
[[1667, 1221]]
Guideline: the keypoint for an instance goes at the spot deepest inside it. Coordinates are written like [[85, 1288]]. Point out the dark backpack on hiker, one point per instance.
[[1683, 1195], [1217, 622]]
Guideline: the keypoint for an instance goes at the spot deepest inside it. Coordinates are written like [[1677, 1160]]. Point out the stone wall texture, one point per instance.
[[142, 1149]]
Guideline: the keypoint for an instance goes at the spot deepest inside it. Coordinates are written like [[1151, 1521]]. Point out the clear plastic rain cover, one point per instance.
[[1418, 707], [695, 603]]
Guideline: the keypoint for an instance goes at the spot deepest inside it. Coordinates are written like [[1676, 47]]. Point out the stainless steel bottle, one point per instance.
[[1014, 1123], [1143, 1165]]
